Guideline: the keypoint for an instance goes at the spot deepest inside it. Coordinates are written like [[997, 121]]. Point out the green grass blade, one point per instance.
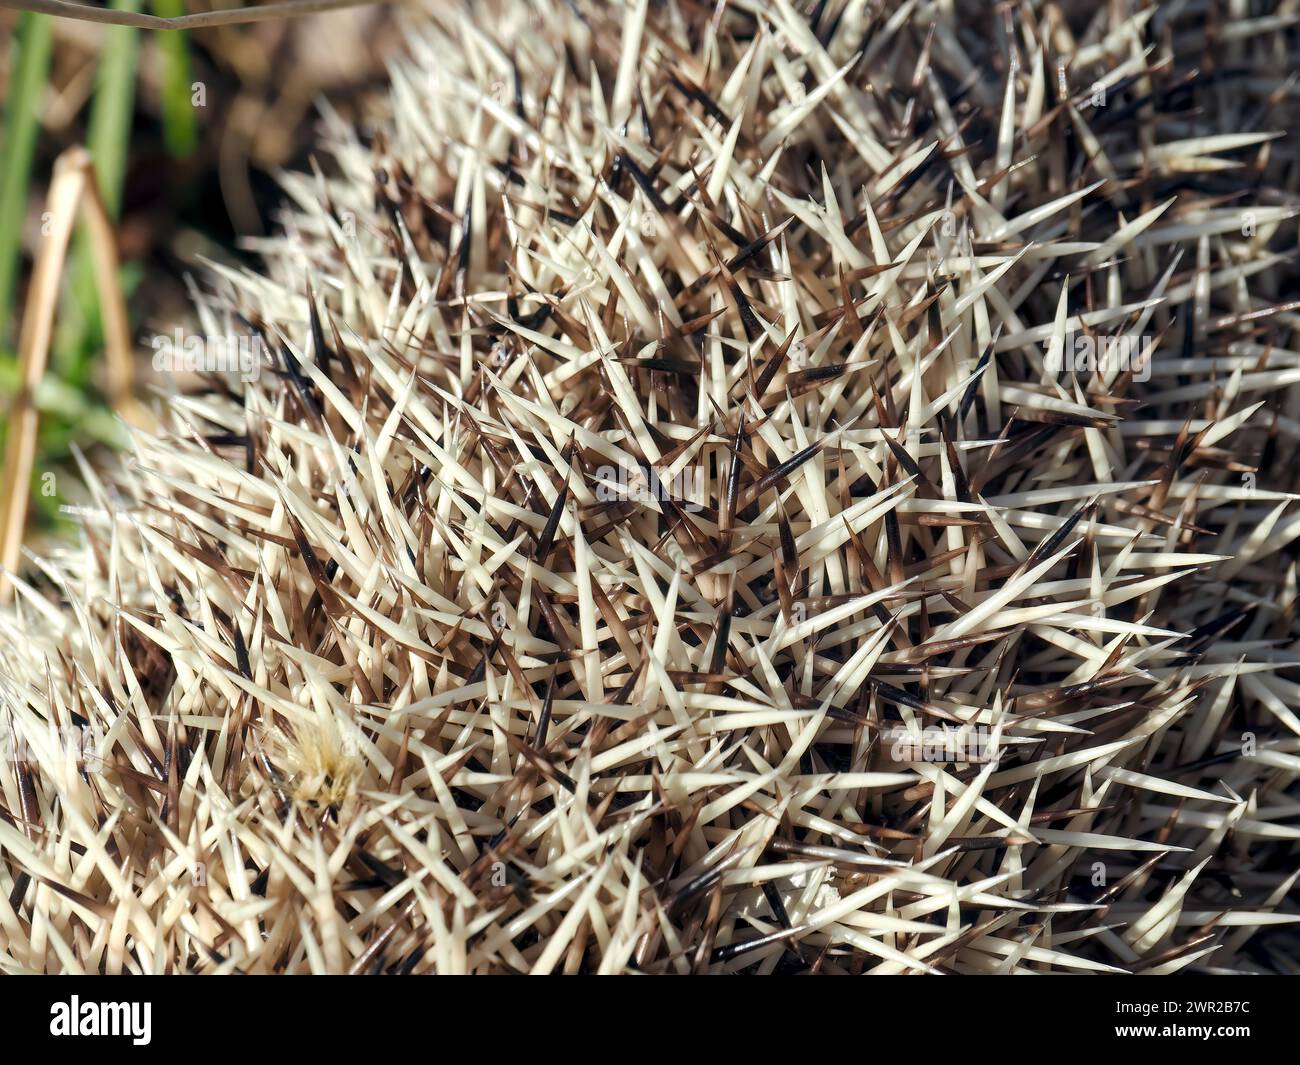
[[180, 129], [109, 133], [28, 76]]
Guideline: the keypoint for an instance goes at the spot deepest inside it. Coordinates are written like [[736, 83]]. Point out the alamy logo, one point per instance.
[[77, 1018], [217, 354], [85, 745], [1089, 354], [627, 482], [934, 743]]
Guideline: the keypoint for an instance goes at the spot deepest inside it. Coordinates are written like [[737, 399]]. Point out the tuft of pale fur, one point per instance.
[[318, 763], [662, 444]]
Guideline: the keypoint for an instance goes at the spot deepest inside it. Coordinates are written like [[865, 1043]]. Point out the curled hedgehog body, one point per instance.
[[736, 487]]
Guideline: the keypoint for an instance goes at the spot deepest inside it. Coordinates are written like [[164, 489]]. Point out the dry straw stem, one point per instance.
[[73, 186], [389, 668]]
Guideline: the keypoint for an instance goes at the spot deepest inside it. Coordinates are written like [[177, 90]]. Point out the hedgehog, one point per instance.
[[741, 487]]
